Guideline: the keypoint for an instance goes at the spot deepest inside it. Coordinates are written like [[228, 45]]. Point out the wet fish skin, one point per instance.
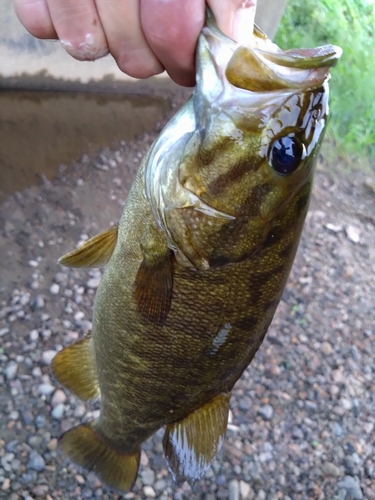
[[197, 266]]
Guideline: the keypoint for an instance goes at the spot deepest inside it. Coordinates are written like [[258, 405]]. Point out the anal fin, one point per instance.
[[89, 450], [95, 252], [74, 368], [191, 444], [153, 287]]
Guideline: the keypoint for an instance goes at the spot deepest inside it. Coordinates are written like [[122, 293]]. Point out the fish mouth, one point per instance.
[[262, 66]]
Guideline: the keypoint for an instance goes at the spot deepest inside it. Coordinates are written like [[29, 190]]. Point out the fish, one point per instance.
[[198, 262]]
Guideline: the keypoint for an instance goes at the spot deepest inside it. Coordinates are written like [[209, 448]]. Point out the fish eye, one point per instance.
[[286, 154]]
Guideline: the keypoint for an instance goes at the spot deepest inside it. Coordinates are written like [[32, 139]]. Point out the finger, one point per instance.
[[126, 41], [235, 18], [35, 16], [79, 28], [172, 29]]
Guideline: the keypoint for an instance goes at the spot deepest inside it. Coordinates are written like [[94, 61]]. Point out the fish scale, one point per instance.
[[197, 265]]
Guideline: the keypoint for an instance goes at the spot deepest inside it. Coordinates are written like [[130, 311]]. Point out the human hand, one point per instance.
[[144, 36]]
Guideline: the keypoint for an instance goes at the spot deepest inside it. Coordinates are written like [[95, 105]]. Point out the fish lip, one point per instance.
[[263, 61]]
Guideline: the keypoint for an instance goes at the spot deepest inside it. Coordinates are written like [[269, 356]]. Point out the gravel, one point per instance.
[[302, 415]]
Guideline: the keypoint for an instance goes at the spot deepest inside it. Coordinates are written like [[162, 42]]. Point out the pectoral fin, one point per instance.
[[191, 444], [95, 252], [74, 368], [153, 287]]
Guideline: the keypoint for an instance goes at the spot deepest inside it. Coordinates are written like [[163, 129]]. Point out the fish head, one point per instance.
[[251, 134]]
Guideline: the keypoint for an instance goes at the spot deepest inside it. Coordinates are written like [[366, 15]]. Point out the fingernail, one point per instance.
[[243, 23], [87, 50]]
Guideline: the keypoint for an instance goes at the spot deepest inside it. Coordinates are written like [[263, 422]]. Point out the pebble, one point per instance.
[[234, 490], [330, 469], [47, 357], [326, 348], [46, 389], [78, 316], [148, 476], [58, 398], [352, 487], [244, 403], [93, 282], [58, 411], [160, 484], [54, 289], [149, 491], [4, 331], [80, 410], [6, 461], [266, 412], [36, 462], [14, 415], [52, 445], [11, 370], [39, 302], [353, 234], [34, 335], [245, 490], [297, 433], [40, 490]]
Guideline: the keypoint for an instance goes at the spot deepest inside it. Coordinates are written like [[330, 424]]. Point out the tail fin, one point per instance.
[[87, 449]]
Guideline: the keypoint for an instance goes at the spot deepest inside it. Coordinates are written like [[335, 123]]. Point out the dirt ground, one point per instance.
[[303, 414]]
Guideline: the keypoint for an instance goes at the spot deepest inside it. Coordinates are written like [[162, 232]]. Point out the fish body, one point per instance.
[[198, 263]]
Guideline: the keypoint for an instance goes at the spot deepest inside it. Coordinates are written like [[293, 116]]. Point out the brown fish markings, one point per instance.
[[196, 268]]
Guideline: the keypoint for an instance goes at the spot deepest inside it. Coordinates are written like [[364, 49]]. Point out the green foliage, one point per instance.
[[351, 25]]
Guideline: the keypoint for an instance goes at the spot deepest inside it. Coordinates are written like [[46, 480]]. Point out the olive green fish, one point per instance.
[[198, 263]]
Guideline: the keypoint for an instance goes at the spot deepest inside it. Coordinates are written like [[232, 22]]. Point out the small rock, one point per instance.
[[149, 491], [148, 476], [54, 289], [58, 411], [6, 460], [330, 469], [79, 315], [244, 490], [45, 389], [40, 490], [25, 299], [6, 484], [351, 486], [35, 441], [58, 398], [244, 403], [326, 348], [353, 234], [93, 282], [48, 356], [4, 331], [160, 485], [39, 302], [11, 370], [52, 445], [36, 462], [262, 495], [80, 410], [14, 415], [297, 433], [34, 335], [234, 490], [266, 412]]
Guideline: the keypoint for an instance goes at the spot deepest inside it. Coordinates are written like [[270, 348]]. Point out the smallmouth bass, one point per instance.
[[198, 263]]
